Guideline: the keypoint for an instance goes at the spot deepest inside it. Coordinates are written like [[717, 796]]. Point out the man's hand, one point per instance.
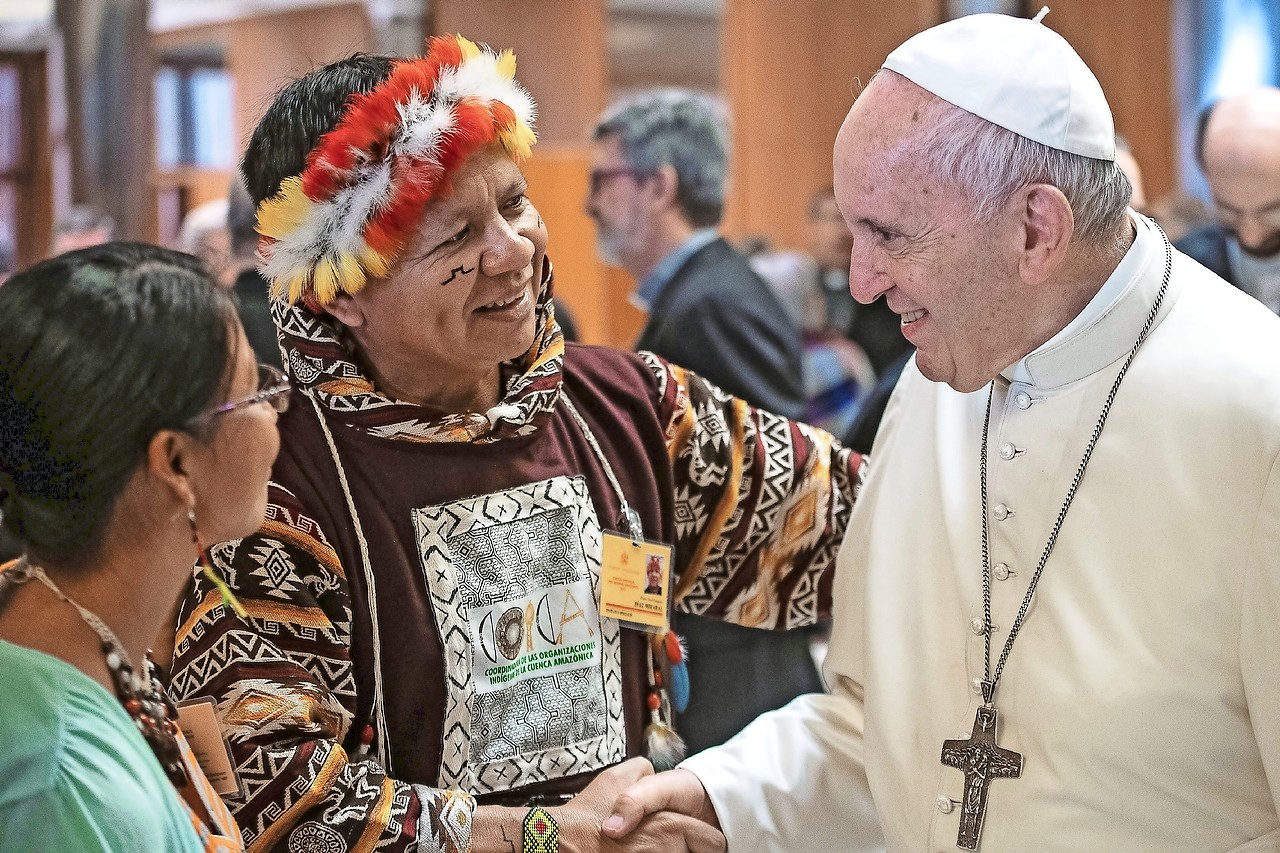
[[662, 799], [581, 818]]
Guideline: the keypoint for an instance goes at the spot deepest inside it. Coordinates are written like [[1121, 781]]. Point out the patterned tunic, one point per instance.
[[434, 581]]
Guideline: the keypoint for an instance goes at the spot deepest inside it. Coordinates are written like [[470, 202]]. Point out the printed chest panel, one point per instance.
[[534, 672]]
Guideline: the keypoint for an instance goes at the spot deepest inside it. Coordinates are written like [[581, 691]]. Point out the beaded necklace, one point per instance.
[[145, 701]]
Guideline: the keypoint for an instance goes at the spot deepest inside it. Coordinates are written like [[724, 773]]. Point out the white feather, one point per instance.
[[423, 138], [359, 201], [425, 124]]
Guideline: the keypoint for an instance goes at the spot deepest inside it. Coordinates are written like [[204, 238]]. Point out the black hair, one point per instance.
[[102, 348], [302, 112], [1202, 127]]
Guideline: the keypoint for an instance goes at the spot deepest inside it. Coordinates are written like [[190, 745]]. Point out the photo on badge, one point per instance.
[[635, 582]]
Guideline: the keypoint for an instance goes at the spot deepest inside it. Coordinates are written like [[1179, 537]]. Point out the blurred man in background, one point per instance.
[[1239, 149], [656, 193]]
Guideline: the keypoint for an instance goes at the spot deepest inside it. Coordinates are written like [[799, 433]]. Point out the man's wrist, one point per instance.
[[497, 829]]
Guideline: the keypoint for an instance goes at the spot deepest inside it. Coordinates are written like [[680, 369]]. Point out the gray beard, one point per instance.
[[1258, 277], [609, 247]]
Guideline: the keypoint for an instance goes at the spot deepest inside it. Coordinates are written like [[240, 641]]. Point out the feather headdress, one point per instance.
[[350, 212]]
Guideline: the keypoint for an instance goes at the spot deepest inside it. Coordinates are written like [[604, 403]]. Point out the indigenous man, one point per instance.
[[1057, 615], [425, 663]]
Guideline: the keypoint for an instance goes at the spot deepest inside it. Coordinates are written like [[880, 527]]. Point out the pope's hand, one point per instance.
[[670, 806]]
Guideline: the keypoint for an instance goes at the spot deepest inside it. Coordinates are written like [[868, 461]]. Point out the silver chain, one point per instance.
[[992, 680]]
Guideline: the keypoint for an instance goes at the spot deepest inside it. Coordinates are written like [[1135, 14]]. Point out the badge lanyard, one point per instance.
[[635, 573]]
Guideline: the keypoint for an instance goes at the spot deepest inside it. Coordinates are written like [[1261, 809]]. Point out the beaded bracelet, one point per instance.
[[541, 832]]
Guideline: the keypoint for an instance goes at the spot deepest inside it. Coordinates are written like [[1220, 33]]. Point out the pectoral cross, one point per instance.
[[981, 760]]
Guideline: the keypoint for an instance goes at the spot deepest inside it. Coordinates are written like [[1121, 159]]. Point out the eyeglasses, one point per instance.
[[599, 176], [273, 389]]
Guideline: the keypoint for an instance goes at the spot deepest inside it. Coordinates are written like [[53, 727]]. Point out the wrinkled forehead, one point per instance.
[[885, 126], [486, 178]]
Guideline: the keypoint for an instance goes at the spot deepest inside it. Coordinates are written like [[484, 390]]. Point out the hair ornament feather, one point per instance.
[[348, 216]]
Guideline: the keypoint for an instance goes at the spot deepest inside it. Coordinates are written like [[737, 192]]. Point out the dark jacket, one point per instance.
[[253, 304], [719, 318], [1208, 246]]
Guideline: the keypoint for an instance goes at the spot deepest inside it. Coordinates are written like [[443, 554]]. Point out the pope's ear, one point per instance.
[[1047, 227], [346, 310]]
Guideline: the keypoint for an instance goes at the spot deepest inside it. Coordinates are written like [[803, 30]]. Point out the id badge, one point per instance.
[[199, 723], [635, 582]]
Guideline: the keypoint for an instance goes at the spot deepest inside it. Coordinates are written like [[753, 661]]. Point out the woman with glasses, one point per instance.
[[135, 424]]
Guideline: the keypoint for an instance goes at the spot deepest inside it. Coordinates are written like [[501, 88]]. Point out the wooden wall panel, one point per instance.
[[261, 54], [268, 51], [1132, 57], [791, 71]]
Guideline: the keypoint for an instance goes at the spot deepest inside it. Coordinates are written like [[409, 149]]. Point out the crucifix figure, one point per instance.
[[981, 760]]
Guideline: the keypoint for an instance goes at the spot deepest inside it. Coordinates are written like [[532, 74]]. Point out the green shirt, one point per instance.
[[75, 773]]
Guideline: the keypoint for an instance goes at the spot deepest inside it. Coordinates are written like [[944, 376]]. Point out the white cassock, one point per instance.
[[1143, 691]]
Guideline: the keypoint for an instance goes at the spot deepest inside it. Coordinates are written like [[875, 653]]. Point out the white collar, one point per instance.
[[1108, 326]]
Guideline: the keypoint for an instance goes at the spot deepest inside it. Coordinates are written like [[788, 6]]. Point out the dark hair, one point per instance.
[[302, 112], [1202, 127], [102, 348], [682, 129]]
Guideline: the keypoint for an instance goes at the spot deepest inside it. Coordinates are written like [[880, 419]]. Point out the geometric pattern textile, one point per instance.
[[758, 507], [535, 691]]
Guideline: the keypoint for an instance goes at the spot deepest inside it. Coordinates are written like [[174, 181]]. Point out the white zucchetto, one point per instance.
[[1014, 72]]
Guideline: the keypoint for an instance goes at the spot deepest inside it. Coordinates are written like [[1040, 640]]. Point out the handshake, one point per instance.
[[627, 808]]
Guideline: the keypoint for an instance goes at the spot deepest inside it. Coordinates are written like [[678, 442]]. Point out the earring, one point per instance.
[[206, 568]]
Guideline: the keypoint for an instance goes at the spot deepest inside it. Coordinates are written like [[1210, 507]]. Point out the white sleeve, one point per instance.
[[794, 780]]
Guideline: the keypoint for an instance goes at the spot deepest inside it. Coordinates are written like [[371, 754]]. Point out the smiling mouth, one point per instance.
[[910, 317], [499, 304]]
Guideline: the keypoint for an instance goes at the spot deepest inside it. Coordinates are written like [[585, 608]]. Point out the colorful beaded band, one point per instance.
[[541, 832]]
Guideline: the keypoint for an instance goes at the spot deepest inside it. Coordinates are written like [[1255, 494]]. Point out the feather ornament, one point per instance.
[[347, 217], [662, 745]]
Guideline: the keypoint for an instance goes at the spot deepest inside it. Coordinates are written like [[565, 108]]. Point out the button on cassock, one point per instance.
[[1008, 451], [1001, 571], [1001, 512], [1022, 400], [945, 804]]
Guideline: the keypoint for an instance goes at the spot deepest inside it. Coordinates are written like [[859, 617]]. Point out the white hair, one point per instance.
[[991, 163], [199, 221]]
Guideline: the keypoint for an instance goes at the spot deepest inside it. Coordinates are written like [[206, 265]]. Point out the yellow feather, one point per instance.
[[375, 264], [281, 214], [519, 140], [279, 289], [350, 275], [297, 285], [324, 281], [507, 64], [469, 49]]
